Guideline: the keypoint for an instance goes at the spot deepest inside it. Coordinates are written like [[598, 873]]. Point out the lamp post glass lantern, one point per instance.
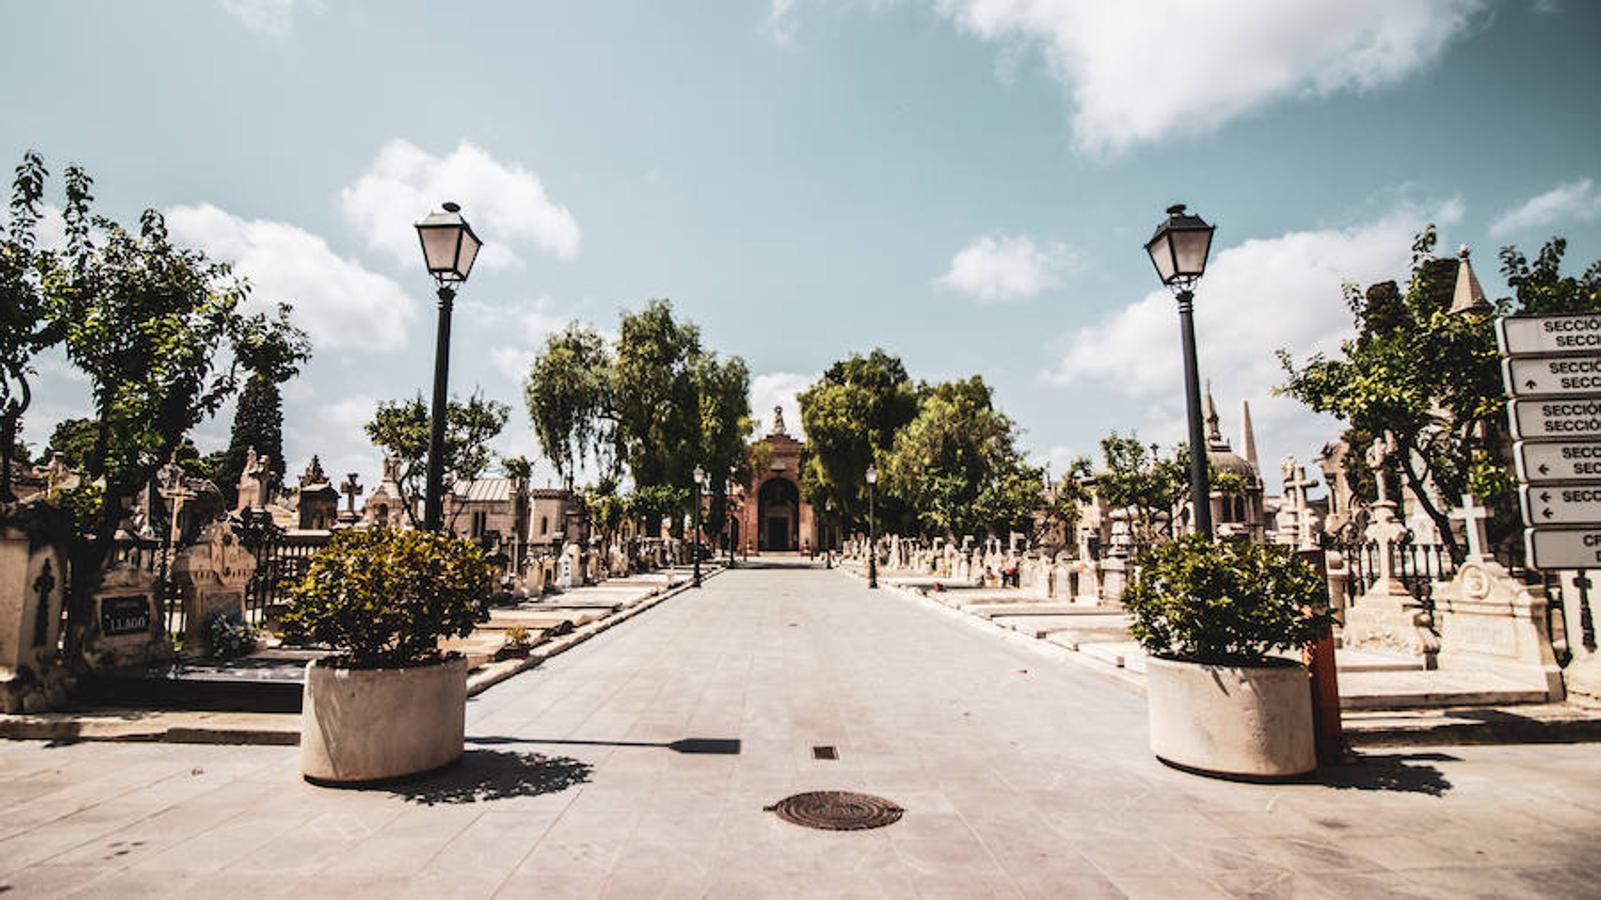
[[872, 527], [449, 248], [1179, 250], [700, 479]]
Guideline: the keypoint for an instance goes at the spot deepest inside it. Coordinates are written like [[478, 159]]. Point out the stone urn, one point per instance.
[[365, 725], [1237, 721]]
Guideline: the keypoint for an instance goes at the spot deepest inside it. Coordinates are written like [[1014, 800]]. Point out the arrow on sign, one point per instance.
[[1545, 496], [1531, 384], [1546, 512], [1545, 469]]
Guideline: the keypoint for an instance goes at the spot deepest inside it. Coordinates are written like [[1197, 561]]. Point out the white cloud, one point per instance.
[[1257, 297], [512, 362], [994, 269], [270, 17], [337, 301], [506, 204], [778, 389], [1138, 72], [1574, 201], [530, 322]]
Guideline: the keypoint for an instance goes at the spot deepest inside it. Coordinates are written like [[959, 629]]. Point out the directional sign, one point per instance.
[[1578, 417], [1563, 548], [1541, 461], [1524, 335], [1562, 504], [1527, 376]]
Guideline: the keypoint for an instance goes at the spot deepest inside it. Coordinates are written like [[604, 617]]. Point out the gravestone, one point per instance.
[[33, 580], [1490, 621], [210, 577], [566, 566], [1387, 616], [127, 627]]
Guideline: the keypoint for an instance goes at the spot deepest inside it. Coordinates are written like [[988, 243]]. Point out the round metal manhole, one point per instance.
[[837, 810]]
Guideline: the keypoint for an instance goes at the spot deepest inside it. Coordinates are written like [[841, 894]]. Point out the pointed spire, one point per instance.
[[1469, 296], [1248, 435], [1213, 434]]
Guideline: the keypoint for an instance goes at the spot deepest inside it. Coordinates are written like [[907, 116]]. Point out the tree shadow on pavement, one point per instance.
[[1402, 772], [484, 775]]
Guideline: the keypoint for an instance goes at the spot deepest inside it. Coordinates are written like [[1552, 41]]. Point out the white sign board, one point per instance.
[[1524, 335], [1579, 417], [1541, 461], [1527, 376], [1562, 504], [1563, 548]]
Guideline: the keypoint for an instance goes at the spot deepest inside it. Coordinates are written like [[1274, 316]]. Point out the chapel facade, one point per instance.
[[770, 514]]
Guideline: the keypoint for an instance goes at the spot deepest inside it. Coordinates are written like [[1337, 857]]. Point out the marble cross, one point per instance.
[[351, 489], [1473, 516]]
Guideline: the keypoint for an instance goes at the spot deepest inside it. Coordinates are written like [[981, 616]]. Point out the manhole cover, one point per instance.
[[837, 810]]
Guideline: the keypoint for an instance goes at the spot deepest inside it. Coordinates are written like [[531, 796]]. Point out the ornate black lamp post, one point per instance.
[[449, 247], [872, 528], [1179, 250], [700, 479]]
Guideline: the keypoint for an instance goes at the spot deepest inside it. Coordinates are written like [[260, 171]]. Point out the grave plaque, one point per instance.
[[126, 614]]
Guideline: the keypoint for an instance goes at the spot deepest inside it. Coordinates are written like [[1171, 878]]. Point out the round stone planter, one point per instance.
[[360, 725], [1241, 721]]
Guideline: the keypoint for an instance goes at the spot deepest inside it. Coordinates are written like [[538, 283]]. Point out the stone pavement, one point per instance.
[[1020, 775]]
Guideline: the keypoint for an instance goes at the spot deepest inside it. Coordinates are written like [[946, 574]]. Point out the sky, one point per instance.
[[967, 184]]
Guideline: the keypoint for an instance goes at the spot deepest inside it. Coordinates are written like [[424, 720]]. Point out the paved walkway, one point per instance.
[[1019, 773]]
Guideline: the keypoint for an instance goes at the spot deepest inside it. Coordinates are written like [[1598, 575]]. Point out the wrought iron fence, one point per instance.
[[281, 560], [1417, 566]]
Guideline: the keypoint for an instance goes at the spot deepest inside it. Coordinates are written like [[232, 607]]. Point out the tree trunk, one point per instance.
[[1442, 521]]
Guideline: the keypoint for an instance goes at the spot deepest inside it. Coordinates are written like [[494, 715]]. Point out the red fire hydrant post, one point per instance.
[[1325, 682]]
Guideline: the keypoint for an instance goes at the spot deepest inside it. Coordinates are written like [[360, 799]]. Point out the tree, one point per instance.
[[723, 390], [851, 416], [74, 439], [272, 350], [148, 322], [402, 428], [957, 464], [25, 324], [1149, 486], [1542, 289], [1430, 378], [567, 393], [654, 395]]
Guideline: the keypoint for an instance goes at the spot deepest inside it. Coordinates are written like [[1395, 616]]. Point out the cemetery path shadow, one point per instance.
[[1403, 772], [484, 775]]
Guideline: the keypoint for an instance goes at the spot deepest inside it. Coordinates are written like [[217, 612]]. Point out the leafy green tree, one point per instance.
[[26, 327], [723, 389], [1540, 288], [1137, 478], [75, 440], [851, 416], [272, 351], [1429, 377], [401, 428], [568, 395], [655, 396], [957, 464], [149, 323]]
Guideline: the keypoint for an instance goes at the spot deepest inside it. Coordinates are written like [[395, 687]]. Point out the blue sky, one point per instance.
[[966, 183]]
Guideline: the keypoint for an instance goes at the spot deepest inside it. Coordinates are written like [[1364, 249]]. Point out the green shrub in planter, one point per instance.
[[1228, 602], [384, 598]]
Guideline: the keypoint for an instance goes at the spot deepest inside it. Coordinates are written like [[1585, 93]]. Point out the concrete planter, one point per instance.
[[361, 725], [1245, 721]]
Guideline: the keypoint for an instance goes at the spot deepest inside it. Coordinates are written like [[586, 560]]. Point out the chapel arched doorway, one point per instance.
[[778, 515]]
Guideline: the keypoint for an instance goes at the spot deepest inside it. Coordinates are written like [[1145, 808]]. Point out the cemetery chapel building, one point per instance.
[[770, 515]]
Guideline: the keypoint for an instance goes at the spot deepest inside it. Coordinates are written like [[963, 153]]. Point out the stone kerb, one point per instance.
[[210, 577]]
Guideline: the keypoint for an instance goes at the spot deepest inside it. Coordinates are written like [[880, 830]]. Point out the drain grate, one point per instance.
[[837, 810], [824, 752]]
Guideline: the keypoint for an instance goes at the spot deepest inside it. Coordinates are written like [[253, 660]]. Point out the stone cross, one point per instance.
[[1378, 456], [1473, 516], [44, 584], [351, 489]]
